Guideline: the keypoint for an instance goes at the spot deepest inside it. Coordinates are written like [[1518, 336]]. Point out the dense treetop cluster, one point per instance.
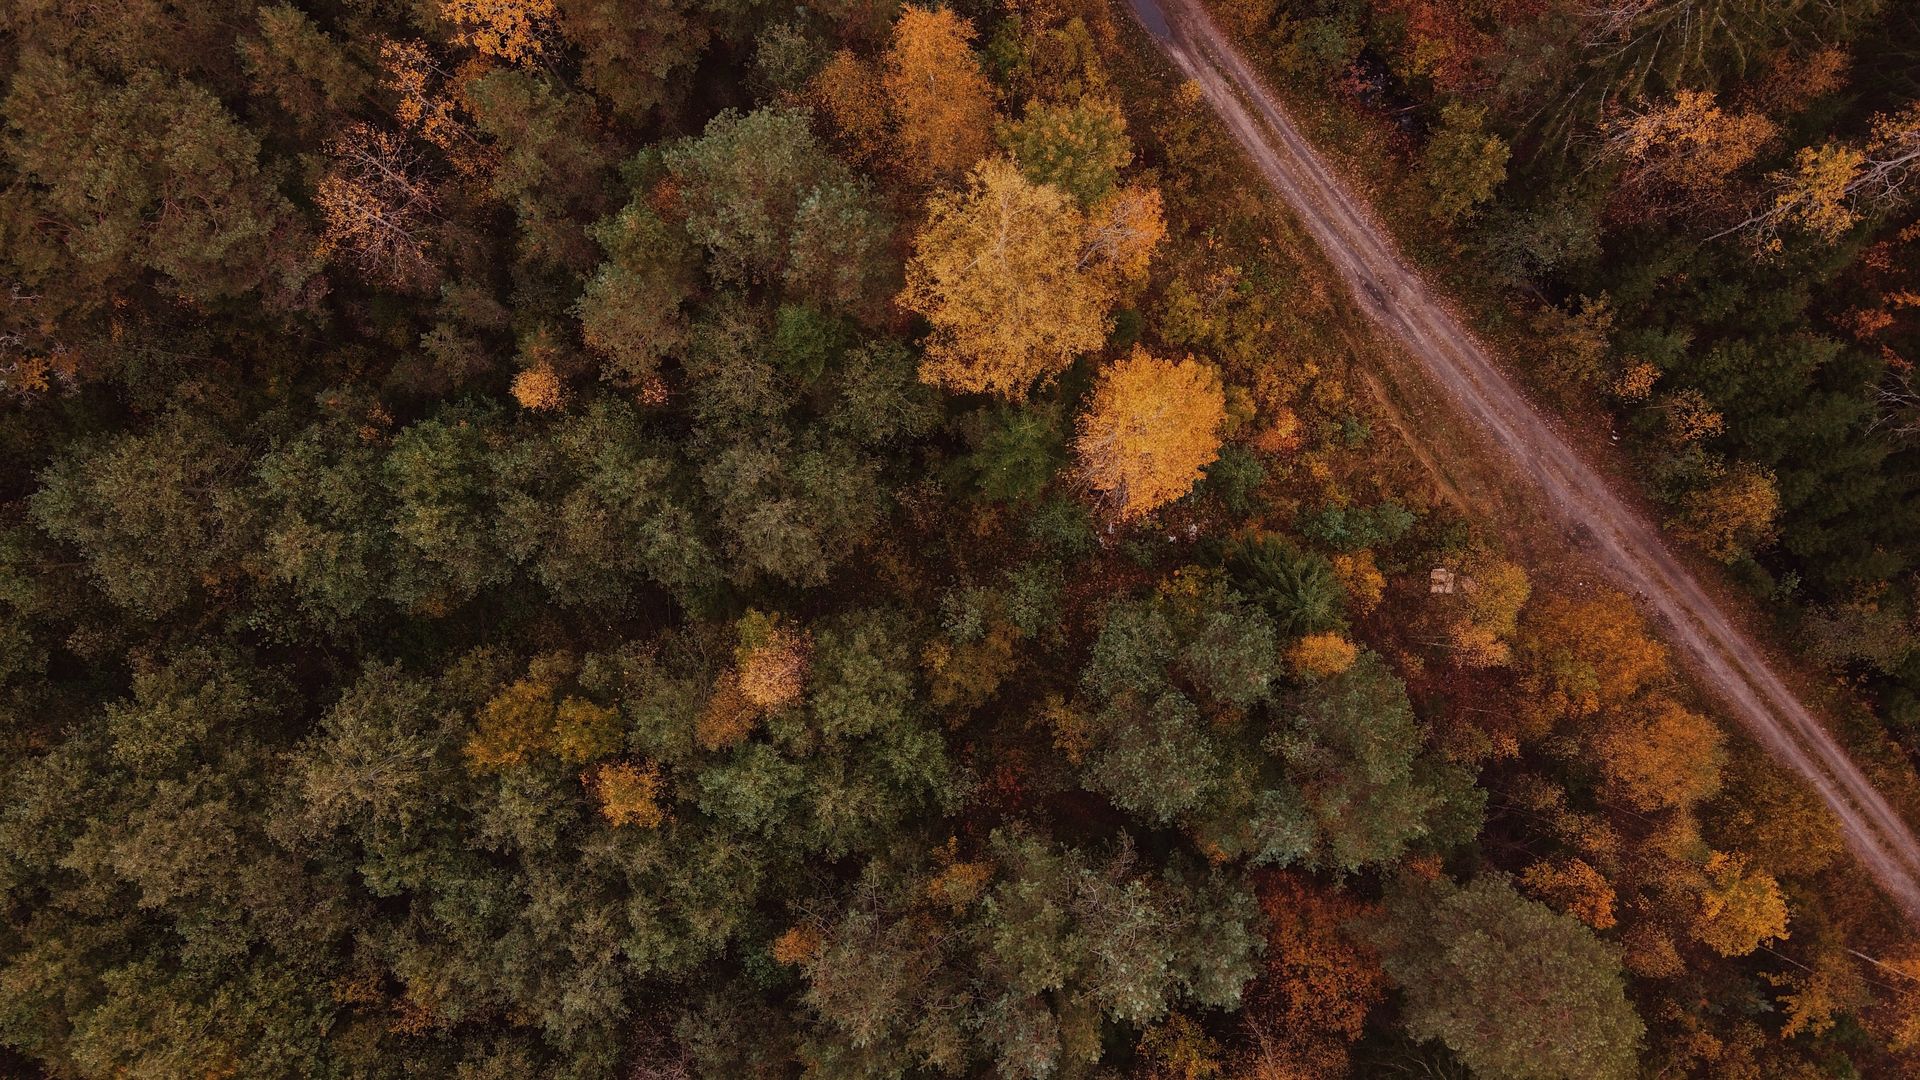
[[600, 538]]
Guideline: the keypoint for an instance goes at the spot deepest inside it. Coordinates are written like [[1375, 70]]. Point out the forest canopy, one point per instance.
[[718, 538]]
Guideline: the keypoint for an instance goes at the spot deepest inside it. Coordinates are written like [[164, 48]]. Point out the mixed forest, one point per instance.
[[727, 538]]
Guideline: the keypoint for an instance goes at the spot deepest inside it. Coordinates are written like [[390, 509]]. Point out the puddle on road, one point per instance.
[[1155, 20]]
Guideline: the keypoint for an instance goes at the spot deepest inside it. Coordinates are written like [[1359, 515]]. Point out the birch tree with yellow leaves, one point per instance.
[[1833, 187], [1152, 428], [1016, 280], [941, 101]]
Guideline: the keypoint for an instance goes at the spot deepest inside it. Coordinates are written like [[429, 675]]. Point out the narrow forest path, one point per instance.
[[1619, 540]]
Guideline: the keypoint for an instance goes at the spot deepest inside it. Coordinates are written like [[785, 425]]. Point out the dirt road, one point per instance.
[[1626, 546]]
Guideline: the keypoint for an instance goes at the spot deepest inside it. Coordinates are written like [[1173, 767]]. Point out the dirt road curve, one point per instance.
[[1626, 546]]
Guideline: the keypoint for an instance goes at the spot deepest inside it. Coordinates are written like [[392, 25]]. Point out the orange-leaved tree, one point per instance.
[[1589, 654], [1570, 885], [1657, 753], [1121, 232], [1741, 909], [848, 91], [628, 793], [377, 207], [770, 661], [941, 101], [513, 30], [539, 388], [1151, 427], [427, 104], [1897, 1019], [1320, 980]]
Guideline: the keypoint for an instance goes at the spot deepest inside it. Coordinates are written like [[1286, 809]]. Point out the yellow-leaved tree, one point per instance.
[[1016, 280], [513, 30], [997, 272], [1741, 909], [539, 388], [532, 716], [1151, 427], [941, 101], [1733, 516], [1487, 612], [1323, 655], [1830, 188], [1681, 155]]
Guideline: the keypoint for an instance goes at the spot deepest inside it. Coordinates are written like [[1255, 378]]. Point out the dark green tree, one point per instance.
[[444, 502], [1352, 746], [631, 310], [155, 515], [147, 175], [596, 510], [1016, 453], [1514, 989], [1296, 587], [771, 206]]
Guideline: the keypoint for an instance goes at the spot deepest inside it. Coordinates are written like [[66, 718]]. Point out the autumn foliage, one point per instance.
[[536, 715], [707, 538], [1486, 613], [942, 102], [1589, 654], [1570, 885], [796, 945], [1016, 280], [513, 30], [628, 794], [1741, 908], [1323, 655], [1656, 753], [1832, 187], [848, 91], [378, 207], [1733, 515], [728, 717], [1150, 429], [538, 388], [1683, 154], [770, 661], [1320, 981]]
